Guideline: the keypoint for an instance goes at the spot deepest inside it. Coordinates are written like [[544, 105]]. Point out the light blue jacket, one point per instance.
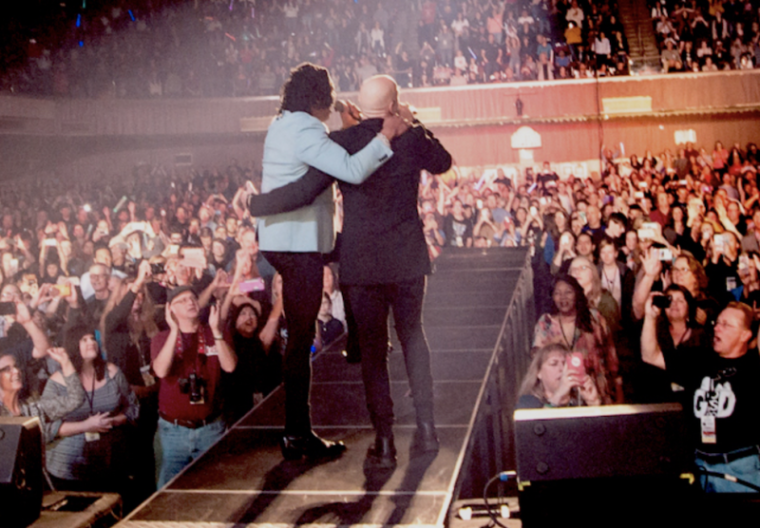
[[295, 141]]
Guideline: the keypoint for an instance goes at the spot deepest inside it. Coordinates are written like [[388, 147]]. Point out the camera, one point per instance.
[[195, 387], [157, 268], [662, 301]]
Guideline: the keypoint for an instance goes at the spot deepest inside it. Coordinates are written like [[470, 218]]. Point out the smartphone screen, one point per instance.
[[252, 285], [575, 364]]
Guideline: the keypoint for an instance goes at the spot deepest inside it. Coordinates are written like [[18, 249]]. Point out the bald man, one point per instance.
[[383, 260]]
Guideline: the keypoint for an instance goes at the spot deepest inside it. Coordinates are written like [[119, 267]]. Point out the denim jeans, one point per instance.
[[181, 445], [746, 468]]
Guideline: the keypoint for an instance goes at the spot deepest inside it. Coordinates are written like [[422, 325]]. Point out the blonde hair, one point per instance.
[[531, 384]]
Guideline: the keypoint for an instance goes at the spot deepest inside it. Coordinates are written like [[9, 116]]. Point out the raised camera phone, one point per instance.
[[576, 364], [662, 301], [64, 290]]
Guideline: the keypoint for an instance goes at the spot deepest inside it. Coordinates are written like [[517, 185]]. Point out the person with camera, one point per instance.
[[686, 271], [721, 391], [189, 359], [676, 331]]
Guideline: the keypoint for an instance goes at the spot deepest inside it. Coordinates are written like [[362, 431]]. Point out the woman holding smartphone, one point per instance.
[[570, 322], [553, 380]]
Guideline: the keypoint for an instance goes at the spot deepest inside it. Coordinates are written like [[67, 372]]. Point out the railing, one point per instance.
[[489, 447]]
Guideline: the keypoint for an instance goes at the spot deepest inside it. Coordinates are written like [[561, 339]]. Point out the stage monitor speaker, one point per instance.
[[614, 460], [20, 471]]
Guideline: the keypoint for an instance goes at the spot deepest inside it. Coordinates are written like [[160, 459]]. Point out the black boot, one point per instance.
[[425, 439], [382, 454], [310, 446]]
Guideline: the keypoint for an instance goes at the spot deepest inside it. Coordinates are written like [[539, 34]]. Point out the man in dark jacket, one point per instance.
[[383, 258]]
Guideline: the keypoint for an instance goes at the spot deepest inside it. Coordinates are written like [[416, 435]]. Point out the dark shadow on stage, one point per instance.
[[349, 513], [276, 479], [416, 470]]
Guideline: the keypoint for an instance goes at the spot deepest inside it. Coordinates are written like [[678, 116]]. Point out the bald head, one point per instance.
[[378, 96]]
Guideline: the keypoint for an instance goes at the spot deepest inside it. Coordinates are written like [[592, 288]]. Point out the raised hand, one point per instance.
[[394, 126], [60, 356], [406, 111], [143, 272], [651, 263], [650, 310], [171, 319], [213, 319], [22, 312], [589, 392]]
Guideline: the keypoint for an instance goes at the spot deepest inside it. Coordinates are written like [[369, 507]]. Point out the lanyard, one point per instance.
[[564, 337], [91, 397], [680, 341]]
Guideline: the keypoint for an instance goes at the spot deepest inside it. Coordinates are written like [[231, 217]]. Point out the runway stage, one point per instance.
[[243, 480]]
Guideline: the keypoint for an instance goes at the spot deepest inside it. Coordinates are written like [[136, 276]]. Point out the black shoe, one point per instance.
[[426, 439], [382, 454], [310, 446]]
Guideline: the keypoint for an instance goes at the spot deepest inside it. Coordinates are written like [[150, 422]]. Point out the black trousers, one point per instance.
[[302, 295], [370, 305]]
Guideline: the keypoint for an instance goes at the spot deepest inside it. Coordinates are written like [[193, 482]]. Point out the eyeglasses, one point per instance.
[[681, 270], [580, 268], [188, 299]]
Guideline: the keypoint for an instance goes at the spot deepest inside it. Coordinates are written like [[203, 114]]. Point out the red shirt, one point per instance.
[[657, 216], [172, 402]]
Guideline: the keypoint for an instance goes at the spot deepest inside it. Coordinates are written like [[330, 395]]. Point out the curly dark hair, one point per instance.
[[309, 86], [582, 310]]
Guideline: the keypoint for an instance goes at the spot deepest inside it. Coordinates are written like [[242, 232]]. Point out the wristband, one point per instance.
[[218, 338]]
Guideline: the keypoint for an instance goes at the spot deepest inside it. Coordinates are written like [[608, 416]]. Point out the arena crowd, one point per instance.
[[172, 48], [707, 36], [93, 271]]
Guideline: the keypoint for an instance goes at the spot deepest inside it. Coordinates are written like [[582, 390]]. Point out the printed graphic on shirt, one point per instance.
[[459, 231], [714, 399]]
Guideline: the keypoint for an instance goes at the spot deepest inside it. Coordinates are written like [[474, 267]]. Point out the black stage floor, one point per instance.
[[244, 481]]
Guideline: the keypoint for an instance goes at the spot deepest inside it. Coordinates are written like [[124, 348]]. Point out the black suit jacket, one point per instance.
[[382, 239]]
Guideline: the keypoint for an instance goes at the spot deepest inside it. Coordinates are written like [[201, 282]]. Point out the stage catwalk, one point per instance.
[[244, 481]]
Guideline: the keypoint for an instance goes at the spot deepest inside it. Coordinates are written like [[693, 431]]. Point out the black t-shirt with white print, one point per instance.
[[724, 396]]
